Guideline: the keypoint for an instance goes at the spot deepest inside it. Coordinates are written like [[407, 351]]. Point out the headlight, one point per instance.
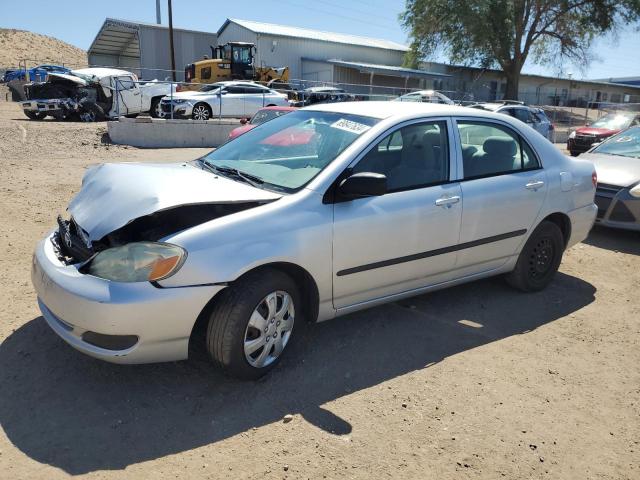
[[178, 101], [138, 262], [572, 134], [635, 191]]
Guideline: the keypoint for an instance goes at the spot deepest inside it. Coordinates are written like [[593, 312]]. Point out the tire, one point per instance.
[[201, 111], [574, 153], [155, 111], [35, 115], [242, 315], [539, 259], [91, 112], [62, 115]]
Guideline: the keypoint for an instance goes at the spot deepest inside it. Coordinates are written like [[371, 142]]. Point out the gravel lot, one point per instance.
[[478, 381]]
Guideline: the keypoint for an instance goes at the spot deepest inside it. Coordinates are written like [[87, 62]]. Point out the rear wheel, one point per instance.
[[539, 260], [252, 323], [201, 111]]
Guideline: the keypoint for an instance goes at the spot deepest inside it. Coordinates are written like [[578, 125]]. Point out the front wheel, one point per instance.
[[539, 259], [156, 109], [201, 111], [35, 115], [252, 323]]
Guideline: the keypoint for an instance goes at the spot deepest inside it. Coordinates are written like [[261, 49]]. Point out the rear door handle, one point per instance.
[[447, 201], [535, 185]]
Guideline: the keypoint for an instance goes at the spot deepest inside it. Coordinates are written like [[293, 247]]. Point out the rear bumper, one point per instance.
[[78, 306], [581, 223]]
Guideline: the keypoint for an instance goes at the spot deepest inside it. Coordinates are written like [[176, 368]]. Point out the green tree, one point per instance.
[[505, 33]]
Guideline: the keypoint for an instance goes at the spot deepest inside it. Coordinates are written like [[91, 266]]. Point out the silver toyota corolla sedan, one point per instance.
[[617, 162], [322, 212]]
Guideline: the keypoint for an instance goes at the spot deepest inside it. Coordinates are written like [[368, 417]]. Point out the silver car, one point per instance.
[[532, 116], [322, 212], [617, 162]]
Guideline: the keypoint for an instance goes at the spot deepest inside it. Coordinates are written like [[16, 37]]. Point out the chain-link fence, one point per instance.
[[567, 109]]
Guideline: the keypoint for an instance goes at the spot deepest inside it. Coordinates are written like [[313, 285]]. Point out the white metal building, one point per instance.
[[320, 56], [144, 48]]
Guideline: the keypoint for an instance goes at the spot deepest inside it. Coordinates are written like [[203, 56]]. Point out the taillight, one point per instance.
[[594, 179]]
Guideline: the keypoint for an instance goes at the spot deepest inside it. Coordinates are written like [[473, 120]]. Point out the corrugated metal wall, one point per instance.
[[384, 84], [103, 60], [155, 60], [287, 51]]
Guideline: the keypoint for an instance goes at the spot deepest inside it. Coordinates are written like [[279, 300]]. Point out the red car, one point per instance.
[[261, 116], [583, 138]]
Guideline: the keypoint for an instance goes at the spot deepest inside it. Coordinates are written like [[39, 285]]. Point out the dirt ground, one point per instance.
[[477, 381]]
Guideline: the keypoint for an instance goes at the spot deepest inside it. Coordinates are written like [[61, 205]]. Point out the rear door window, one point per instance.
[[490, 149]]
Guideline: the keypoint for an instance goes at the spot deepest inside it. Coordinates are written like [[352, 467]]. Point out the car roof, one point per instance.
[[280, 109], [324, 89], [238, 82], [382, 109]]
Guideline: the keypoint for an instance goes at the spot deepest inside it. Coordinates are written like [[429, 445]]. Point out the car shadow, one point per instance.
[[624, 241], [67, 410]]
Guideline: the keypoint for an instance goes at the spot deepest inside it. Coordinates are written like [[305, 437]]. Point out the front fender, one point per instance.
[[296, 229]]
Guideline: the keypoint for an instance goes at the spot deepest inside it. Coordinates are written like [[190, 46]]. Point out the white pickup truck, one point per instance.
[[92, 94]]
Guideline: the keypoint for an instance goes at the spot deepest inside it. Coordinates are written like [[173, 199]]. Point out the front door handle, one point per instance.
[[534, 185], [447, 201]]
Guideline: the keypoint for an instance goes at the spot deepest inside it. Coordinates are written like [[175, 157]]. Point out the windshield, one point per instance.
[[613, 121], [266, 115], [287, 152], [626, 144]]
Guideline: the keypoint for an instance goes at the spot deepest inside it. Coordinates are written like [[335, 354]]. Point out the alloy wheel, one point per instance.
[[200, 112], [269, 329]]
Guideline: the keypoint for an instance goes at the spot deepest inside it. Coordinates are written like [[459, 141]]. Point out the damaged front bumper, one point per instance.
[[50, 105], [113, 321], [181, 109]]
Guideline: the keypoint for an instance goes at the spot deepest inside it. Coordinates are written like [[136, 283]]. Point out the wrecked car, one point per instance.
[[235, 252], [93, 94]]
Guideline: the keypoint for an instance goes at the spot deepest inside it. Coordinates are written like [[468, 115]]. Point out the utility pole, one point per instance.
[[158, 16], [173, 55]]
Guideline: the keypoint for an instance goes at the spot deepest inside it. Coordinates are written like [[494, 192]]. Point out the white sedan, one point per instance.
[[222, 99], [425, 96], [321, 212]]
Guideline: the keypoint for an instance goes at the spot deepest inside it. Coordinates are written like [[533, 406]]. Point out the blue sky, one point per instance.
[[78, 21]]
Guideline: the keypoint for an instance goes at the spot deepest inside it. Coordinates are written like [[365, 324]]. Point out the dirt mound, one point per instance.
[[17, 45]]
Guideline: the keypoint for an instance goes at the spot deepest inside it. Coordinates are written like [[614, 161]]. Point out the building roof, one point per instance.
[[120, 37], [548, 79], [297, 32], [391, 70]]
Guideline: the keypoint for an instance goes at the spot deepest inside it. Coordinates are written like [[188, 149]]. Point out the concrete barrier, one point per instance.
[[148, 132]]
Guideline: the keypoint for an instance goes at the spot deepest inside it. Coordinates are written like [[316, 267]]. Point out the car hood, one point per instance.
[[236, 132], [70, 77], [615, 169], [596, 131], [112, 195]]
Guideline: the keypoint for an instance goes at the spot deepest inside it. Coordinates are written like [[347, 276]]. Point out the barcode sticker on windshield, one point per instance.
[[350, 126]]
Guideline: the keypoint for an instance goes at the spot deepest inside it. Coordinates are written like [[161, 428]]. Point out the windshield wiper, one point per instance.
[[252, 180]]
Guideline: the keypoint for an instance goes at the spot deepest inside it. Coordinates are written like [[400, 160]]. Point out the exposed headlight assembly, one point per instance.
[[137, 262], [635, 191]]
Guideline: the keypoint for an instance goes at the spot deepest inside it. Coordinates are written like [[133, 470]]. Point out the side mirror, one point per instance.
[[243, 121], [364, 184]]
